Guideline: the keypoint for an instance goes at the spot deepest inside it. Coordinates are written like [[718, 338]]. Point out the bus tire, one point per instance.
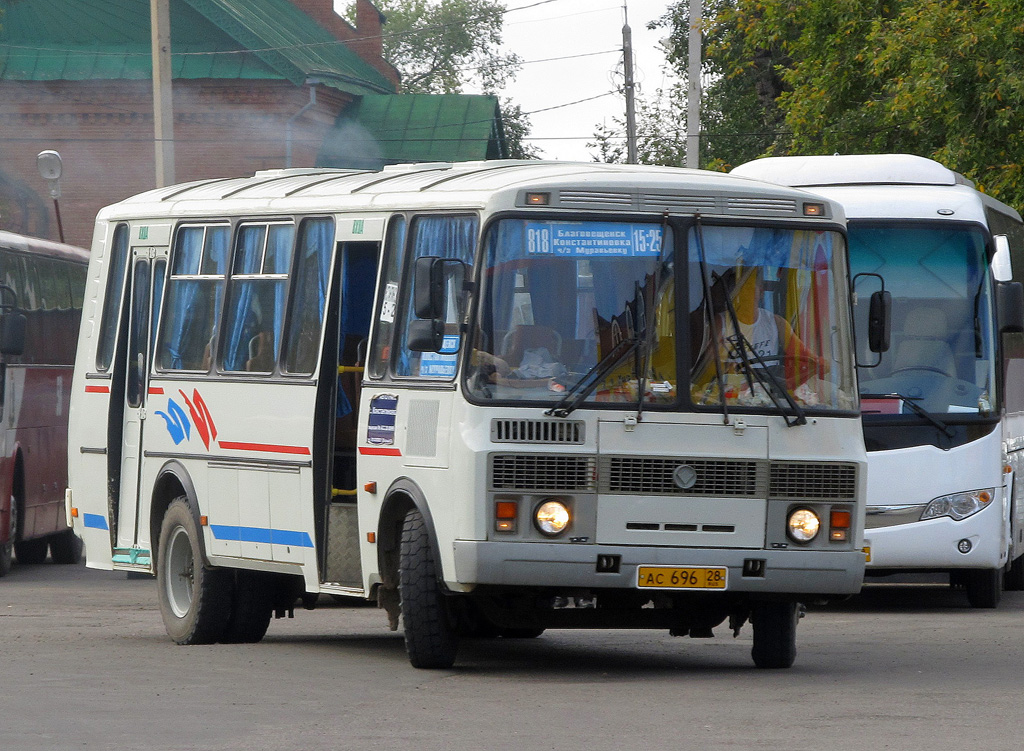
[[1013, 579], [30, 552], [984, 587], [774, 626], [195, 599], [66, 548], [251, 609], [431, 631], [7, 549]]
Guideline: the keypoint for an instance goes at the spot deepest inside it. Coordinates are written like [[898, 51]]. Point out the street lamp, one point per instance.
[[50, 168]]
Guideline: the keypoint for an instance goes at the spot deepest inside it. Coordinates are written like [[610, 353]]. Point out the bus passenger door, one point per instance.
[[145, 288]]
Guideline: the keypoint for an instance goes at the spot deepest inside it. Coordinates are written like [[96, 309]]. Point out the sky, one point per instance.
[[564, 28]]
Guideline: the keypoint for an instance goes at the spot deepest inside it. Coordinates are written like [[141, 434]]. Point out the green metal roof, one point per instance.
[[380, 129], [78, 40]]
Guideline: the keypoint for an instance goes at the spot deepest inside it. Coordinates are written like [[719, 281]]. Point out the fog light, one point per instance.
[[552, 518], [803, 525]]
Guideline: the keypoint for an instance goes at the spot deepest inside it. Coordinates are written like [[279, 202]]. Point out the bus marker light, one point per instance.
[[204, 521], [538, 199], [814, 209], [74, 512], [370, 487], [371, 537]]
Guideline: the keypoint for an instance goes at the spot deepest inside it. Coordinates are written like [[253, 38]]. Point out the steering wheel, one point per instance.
[[925, 368]]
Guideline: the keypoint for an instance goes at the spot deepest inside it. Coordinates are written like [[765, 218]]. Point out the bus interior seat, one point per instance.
[[529, 336], [923, 343]]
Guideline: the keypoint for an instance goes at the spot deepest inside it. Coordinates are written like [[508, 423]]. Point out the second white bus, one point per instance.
[[944, 405]]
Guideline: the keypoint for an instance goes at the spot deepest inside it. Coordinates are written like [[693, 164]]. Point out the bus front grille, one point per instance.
[[651, 475], [543, 472], [507, 430], [813, 480]]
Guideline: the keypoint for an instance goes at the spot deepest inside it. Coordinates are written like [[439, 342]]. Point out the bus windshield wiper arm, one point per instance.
[[584, 386], [764, 373], [917, 409]]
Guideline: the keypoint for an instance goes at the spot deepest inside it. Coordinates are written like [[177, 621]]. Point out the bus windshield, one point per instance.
[[768, 314], [590, 306], [563, 299], [942, 352]]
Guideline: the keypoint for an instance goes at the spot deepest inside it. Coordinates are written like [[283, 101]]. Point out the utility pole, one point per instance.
[[693, 88], [627, 64], [163, 104]]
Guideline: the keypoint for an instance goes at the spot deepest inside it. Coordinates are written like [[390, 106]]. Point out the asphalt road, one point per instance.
[[86, 665]]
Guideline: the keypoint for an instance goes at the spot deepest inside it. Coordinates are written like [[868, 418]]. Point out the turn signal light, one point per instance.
[[839, 525], [505, 513]]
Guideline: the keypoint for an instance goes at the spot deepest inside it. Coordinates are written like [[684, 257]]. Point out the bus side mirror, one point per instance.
[[1002, 268], [879, 317], [1010, 307], [12, 333], [426, 335], [428, 287]]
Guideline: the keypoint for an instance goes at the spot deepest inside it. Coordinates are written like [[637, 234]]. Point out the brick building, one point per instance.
[[254, 84]]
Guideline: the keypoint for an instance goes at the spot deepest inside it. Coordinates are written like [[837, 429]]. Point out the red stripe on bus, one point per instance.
[[375, 451], [97, 389], [156, 389], [268, 447]]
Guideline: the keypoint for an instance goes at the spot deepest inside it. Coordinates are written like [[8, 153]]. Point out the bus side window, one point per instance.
[[256, 297], [452, 237], [387, 299], [309, 295], [117, 255], [194, 293]]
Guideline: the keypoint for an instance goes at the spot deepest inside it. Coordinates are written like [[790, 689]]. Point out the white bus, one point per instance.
[[944, 404], [455, 390]]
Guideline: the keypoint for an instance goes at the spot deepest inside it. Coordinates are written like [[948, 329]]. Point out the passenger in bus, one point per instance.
[[776, 347], [529, 359]]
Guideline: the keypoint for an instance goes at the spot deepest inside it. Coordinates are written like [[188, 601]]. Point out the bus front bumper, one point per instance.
[[533, 564]]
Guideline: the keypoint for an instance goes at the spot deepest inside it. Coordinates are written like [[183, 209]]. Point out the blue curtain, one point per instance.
[[312, 274]]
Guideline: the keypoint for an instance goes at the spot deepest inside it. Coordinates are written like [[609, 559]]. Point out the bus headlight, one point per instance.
[[958, 505], [552, 517], [803, 525]]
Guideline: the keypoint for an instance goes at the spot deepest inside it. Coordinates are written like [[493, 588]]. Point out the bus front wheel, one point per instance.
[[431, 630], [984, 587], [774, 634], [195, 600]]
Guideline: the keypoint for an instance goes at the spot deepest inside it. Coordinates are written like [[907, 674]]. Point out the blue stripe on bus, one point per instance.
[[262, 534], [95, 521]]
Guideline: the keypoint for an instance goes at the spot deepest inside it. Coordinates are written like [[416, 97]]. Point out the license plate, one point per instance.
[[675, 577]]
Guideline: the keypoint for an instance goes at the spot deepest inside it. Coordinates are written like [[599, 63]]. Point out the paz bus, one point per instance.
[[470, 393], [943, 403], [41, 288]]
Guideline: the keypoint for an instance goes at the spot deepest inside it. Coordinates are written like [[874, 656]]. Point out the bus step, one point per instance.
[[132, 556]]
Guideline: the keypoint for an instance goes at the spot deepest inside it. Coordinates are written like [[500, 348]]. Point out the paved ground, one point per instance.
[[86, 665]]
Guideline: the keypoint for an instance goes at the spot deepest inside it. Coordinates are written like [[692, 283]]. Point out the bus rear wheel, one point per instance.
[[428, 620], [7, 548], [195, 599], [774, 634], [251, 608], [66, 548]]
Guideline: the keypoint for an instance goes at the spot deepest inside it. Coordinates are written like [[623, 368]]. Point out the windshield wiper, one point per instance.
[[585, 385], [917, 409], [768, 381]]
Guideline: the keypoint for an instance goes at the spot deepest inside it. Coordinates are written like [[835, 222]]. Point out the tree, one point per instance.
[[938, 78], [443, 46]]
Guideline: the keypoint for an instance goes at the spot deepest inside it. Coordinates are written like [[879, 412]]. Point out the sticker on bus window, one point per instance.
[[380, 428], [390, 303], [441, 364], [593, 239]]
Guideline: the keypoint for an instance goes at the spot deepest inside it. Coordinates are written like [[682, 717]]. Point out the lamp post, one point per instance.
[[50, 169]]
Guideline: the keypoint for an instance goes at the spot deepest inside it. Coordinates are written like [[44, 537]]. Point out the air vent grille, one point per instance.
[[821, 480], [596, 198], [656, 476], [543, 472], [537, 431], [763, 205], [654, 201]]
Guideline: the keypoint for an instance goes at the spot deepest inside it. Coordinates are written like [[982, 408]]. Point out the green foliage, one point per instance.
[[938, 78]]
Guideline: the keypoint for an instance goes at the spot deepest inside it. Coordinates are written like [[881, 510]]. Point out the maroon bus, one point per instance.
[[42, 285]]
